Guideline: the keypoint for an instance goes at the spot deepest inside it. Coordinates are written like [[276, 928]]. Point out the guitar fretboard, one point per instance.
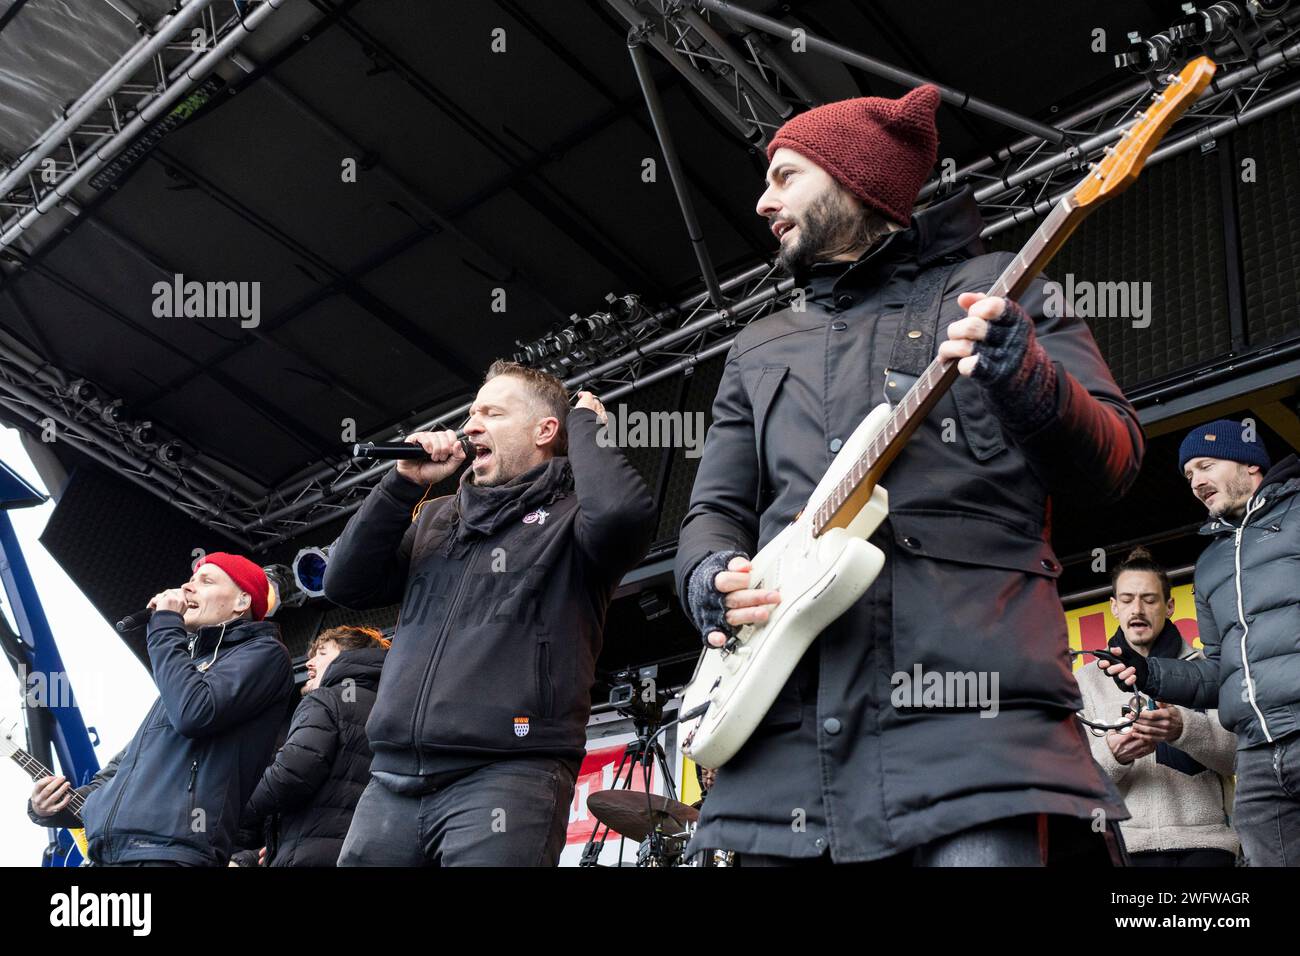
[[36, 770], [907, 415]]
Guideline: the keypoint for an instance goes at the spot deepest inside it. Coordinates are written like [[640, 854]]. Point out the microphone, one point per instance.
[[132, 621], [394, 451]]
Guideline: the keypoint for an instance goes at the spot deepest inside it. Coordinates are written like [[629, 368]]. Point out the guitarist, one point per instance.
[[836, 772]]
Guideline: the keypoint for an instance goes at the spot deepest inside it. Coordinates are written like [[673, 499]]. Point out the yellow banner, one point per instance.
[[1093, 625]]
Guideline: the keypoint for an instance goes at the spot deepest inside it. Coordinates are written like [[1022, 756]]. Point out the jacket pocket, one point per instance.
[[761, 395], [545, 689], [982, 432], [975, 598]]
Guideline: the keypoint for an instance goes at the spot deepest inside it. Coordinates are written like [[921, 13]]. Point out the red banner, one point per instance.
[[596, 774]]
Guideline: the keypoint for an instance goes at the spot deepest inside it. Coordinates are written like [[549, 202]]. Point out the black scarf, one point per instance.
[[478, 512], [1168, 643]]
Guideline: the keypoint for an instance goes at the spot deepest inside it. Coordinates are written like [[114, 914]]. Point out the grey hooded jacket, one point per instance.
[[1248, 610]]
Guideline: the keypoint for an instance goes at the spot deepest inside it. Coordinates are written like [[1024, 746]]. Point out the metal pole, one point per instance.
[[1137, 88], [738, 63], [880, 68], [21, 394], [645, 29], [1101, 139], [321, 474], [675, 173], [147, 115], [92, 451], [1167, 151], [49, 378], [131, 61]]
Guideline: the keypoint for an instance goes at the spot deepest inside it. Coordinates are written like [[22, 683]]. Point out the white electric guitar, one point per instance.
[[821, 563]]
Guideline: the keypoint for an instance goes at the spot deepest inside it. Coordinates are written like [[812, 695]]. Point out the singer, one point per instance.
[[480, 722], [224, 682]]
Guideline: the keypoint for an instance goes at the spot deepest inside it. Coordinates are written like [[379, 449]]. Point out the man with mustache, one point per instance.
[[1248, 612], [835, 773], [1173, 766]]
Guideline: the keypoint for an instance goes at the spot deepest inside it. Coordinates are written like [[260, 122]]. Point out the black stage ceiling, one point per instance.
[[477, 171]]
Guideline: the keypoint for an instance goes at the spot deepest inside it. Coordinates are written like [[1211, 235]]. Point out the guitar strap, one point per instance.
[[914, 343]]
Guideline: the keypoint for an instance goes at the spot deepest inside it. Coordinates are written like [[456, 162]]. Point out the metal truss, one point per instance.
[[84, 416], [701, 332], [1027, 182], [723, 52], [153, 86]]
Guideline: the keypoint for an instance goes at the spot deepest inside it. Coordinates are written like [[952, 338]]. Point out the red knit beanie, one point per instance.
[[880, 150], [248, 577]]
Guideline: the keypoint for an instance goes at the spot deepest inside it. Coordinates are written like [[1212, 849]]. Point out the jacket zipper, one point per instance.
[[117, 801], [431, 668], [1241, 616], [135, 759]]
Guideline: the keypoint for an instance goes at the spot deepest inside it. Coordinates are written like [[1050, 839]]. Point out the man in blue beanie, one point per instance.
[[1248, 613]]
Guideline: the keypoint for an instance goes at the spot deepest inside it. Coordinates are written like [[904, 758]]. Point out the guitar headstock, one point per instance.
[[12, 737], [1125, 158]]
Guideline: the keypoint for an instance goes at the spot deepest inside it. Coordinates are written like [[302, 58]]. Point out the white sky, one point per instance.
[[113, 689]]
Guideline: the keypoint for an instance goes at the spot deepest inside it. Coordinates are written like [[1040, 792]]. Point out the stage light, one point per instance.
[[144, 435], [115, 413], [309, 570], [284, 590], [1267, 8], [82, 391], [171, 453], [1147, 56]]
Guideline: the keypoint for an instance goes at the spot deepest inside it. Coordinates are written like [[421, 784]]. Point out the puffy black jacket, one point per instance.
[[1248, 611], [192, 765], [969, 583], [318, 775], [495, 651]]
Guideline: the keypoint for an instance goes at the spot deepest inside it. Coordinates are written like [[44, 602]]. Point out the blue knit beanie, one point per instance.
[[1222, 439]]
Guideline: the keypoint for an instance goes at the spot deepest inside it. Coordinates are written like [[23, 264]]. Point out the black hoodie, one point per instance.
[[504, 592], [318, 775]]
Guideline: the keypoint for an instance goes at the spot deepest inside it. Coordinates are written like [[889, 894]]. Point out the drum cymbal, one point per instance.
[[635, 816]]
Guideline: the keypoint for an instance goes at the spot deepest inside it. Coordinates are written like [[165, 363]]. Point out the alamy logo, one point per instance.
[[74, 908], [208, 300], [1099, 300], [637, 429], [949, 689]]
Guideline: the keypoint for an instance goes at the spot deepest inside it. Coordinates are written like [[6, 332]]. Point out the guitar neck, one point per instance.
[[852, 492], [36, 770]]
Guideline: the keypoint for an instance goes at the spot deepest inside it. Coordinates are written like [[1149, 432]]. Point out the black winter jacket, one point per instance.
[[1247, 590], [495, 650], [318, 775], [969, 582], [192, 765]]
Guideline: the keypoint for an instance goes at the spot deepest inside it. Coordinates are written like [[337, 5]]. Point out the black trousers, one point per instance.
[[1030, 840]]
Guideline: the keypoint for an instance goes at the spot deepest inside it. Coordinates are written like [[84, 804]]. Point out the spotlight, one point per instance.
[[284, 590], [144, 435], [1267, 8], [309, 570], [1147, 56], [115, 413], [171, 453], [82, 391]]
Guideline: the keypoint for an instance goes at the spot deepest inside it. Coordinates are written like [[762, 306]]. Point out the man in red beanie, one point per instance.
[[224, 682], [932, 724]]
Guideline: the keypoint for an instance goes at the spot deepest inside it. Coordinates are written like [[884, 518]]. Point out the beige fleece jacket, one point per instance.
[[1171, 810]]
